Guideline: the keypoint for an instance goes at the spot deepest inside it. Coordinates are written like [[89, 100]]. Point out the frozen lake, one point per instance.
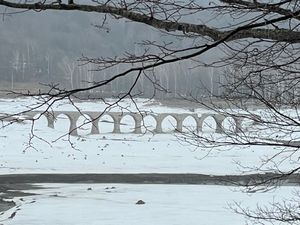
[[51, 151], [112, 204]]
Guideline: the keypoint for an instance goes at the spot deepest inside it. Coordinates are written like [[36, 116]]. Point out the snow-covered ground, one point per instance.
[[112, 153], [113, 204]]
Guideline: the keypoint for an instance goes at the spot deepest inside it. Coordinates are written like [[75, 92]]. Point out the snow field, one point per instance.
[[111, 204], [51, 152]]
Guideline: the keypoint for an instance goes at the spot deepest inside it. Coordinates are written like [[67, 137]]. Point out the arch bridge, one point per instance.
[[73, 117]]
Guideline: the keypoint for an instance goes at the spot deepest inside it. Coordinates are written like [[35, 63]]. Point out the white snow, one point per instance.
[[113, 204], [113, 153]]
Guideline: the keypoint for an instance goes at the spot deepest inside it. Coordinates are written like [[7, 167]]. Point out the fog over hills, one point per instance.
[[46, 48]]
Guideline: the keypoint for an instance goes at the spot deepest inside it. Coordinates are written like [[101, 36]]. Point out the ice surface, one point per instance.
[[113, 153], [113, 204]]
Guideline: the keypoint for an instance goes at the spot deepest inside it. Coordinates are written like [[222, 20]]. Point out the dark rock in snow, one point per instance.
[[140, 202]]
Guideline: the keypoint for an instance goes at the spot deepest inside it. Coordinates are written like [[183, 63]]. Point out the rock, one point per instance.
[[107, 188], [12, 215], [140, 202]]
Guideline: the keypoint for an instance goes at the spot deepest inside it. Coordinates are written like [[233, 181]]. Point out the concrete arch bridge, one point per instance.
[[95, 117]]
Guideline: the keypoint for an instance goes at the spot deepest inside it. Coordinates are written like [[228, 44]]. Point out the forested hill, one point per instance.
[[46, 47]]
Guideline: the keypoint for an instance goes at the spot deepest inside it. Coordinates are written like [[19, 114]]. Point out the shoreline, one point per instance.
[[11, 190], [15, 185], [20, 181]]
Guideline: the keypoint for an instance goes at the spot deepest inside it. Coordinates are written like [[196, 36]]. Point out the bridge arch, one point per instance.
[[229, 124], [84, 124], [127, 124], [189, 123], [106, 123], [169, 123], [207, 123], [62, 122], [40, 120], [149, 123]]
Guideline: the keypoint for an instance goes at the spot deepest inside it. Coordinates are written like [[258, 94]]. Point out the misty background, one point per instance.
[[46, 47]]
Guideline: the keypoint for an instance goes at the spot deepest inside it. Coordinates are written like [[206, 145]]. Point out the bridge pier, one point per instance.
[[200, 122], [138, 123], [50, 119], [95, 125], [179, 122], [117, 121], [238, 124], [159, 118], [219, 123], [73, 117]]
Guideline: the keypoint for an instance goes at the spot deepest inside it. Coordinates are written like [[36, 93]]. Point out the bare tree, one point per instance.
[[258, 53], [268, 25], [68, 67]]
